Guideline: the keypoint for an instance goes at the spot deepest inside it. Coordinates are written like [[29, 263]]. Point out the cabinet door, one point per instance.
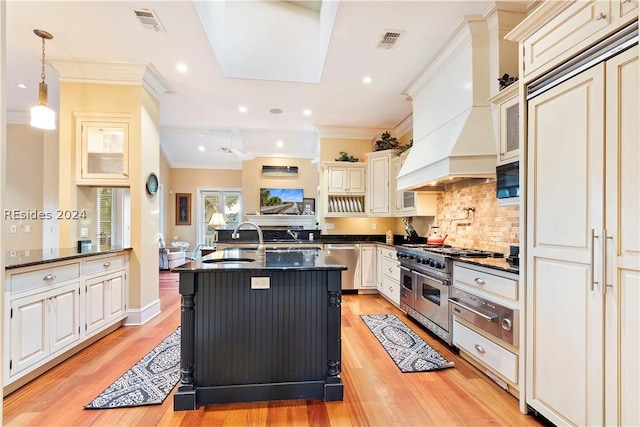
[[623, 247], [368, 266], [565, 193], [96, 310], [378, 196], [509, 128], [356, 180], [29, 342], [397, 165], [379, 268], [337, 180], [105, 150], [117, 297], [64, 319]]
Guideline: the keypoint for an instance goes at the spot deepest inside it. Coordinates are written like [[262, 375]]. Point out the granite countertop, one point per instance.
[[275, 259], [26, 258], [495, 263]]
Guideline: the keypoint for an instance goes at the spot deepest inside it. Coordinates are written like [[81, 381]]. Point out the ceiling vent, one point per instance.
[[149, 19], [389, 39]]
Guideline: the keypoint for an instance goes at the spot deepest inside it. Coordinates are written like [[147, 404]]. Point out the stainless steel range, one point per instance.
[[425, 283]]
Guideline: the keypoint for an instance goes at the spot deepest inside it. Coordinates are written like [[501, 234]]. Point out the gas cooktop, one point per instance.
[[455, 252]]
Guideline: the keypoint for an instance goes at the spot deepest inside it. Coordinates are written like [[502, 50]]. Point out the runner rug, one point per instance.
[[148, 382], [409, 352]]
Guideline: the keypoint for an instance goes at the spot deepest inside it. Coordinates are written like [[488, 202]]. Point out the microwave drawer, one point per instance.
[[491, 354]]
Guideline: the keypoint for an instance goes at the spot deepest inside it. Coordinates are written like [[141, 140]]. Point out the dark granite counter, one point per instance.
[[246, 258], [26, 258], [495, 263]]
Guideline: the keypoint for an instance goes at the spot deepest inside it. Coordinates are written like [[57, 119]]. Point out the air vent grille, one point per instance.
[[149, 19], [389, 39]]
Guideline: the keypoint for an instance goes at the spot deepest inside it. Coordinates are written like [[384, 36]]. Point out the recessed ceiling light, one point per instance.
[[279, 143], [275, 111], [306, 112], [243, 109], [22, 85], [367, 80], [200, 148], [182, 67]]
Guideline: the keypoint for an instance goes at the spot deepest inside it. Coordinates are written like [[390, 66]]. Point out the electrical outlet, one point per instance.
[[329, 226], [374, 226], [13, 229], [27, 229], [260, 283], [84, 232]]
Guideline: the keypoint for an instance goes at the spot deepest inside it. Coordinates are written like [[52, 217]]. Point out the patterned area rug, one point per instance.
[[148, 382], [409, 352]]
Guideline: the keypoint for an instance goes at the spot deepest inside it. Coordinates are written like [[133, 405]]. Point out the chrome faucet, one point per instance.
[[293, 234], [235, 235]]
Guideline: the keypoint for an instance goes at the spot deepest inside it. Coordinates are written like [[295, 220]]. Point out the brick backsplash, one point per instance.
[[490, 227]]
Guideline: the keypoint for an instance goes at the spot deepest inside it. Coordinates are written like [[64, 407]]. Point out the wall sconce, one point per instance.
[[217, 220], [43, 117]]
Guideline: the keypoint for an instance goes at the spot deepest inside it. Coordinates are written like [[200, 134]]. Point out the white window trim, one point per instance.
[[200, 232]]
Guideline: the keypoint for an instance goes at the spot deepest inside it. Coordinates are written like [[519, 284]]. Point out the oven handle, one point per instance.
[[476, 312], [434, 279]]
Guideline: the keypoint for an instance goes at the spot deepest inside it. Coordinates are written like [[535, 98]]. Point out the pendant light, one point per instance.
[[42, 116]]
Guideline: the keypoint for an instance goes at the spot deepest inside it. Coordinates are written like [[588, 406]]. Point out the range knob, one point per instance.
[[431, 263]]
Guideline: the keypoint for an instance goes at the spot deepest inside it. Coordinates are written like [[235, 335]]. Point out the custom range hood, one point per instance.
[[453, 124]]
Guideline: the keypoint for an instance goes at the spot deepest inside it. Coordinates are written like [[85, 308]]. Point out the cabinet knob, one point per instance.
[[479, 281], [600, 16], [49, 276], [106, 264], [479, 348]]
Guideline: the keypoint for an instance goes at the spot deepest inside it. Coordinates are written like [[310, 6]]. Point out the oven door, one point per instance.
[[432, 299], [407, 286]]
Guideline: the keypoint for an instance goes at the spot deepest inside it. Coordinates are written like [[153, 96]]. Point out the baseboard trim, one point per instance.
[[140, 316]]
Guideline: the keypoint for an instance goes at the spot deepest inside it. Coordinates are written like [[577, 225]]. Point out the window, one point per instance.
[[106, 214], [229, 203]]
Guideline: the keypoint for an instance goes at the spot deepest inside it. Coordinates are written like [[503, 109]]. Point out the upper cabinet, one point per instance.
[[574, 25], [381, 188], [345, 188], [102, 150], [507, 123]]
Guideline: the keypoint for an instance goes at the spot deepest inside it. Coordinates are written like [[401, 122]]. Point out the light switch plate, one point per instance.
[[260, 283], [84, 232]]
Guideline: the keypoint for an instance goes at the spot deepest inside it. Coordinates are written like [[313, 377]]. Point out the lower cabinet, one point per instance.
[[368, 266], [389, 274], [52, 308], [43, 324]]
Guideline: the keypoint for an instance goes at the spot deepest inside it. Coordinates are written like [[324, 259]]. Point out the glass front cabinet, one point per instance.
[[103, 149]]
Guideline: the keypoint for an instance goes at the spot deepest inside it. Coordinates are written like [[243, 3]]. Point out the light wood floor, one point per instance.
[[376, 392]]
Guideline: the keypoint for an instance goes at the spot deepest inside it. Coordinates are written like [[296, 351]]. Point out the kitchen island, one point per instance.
[[256, 329]]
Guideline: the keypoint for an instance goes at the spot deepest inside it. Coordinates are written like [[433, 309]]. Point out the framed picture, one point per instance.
[[183, 208], [308, 206]]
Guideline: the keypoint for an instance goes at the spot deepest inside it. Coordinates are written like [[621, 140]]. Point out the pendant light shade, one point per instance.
[[43, 117]]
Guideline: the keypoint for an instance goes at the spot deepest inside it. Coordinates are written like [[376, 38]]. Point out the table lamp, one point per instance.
[[217, 220]]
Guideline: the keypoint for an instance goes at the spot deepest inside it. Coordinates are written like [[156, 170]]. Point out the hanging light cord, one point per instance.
[[42, 74]]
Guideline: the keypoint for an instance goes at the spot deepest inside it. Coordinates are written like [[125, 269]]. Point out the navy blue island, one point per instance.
[[260, 325]]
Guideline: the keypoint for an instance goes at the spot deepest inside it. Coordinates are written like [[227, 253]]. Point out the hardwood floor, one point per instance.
[[376, 392]]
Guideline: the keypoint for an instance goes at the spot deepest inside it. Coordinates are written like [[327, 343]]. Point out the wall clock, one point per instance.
[[152, 184]]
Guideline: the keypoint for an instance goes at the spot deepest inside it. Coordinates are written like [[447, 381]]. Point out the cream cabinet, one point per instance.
[[381, 183], [389, 274], [102, 149], [42, 325], [572, 26], [345, 185], [507, 114], [367, 266], [412, 203], [47, 306], [583, 242]]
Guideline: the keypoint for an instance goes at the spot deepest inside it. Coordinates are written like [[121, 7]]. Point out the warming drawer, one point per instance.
[[491, 354]]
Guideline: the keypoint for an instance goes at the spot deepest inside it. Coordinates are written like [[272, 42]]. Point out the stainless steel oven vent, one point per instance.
[[389, 39], [149, 19]]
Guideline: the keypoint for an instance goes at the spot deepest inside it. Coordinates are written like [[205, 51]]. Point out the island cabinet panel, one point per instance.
[[273, 341]]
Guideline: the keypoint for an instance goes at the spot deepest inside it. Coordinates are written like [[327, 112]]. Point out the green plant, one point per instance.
[[346, 157], [385, 142], [404, 148]]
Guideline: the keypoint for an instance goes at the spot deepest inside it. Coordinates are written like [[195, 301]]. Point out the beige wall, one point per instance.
[[253, 181], [24, 186], [164, 178], [189, 181]]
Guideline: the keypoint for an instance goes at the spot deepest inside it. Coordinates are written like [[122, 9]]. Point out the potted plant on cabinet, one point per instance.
[[385, 141]]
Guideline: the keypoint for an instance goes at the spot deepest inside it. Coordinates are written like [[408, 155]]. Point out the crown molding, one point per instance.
[[405, 126], [349, 133]]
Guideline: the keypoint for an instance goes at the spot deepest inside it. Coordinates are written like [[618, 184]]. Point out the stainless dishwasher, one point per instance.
[[345, 254]]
